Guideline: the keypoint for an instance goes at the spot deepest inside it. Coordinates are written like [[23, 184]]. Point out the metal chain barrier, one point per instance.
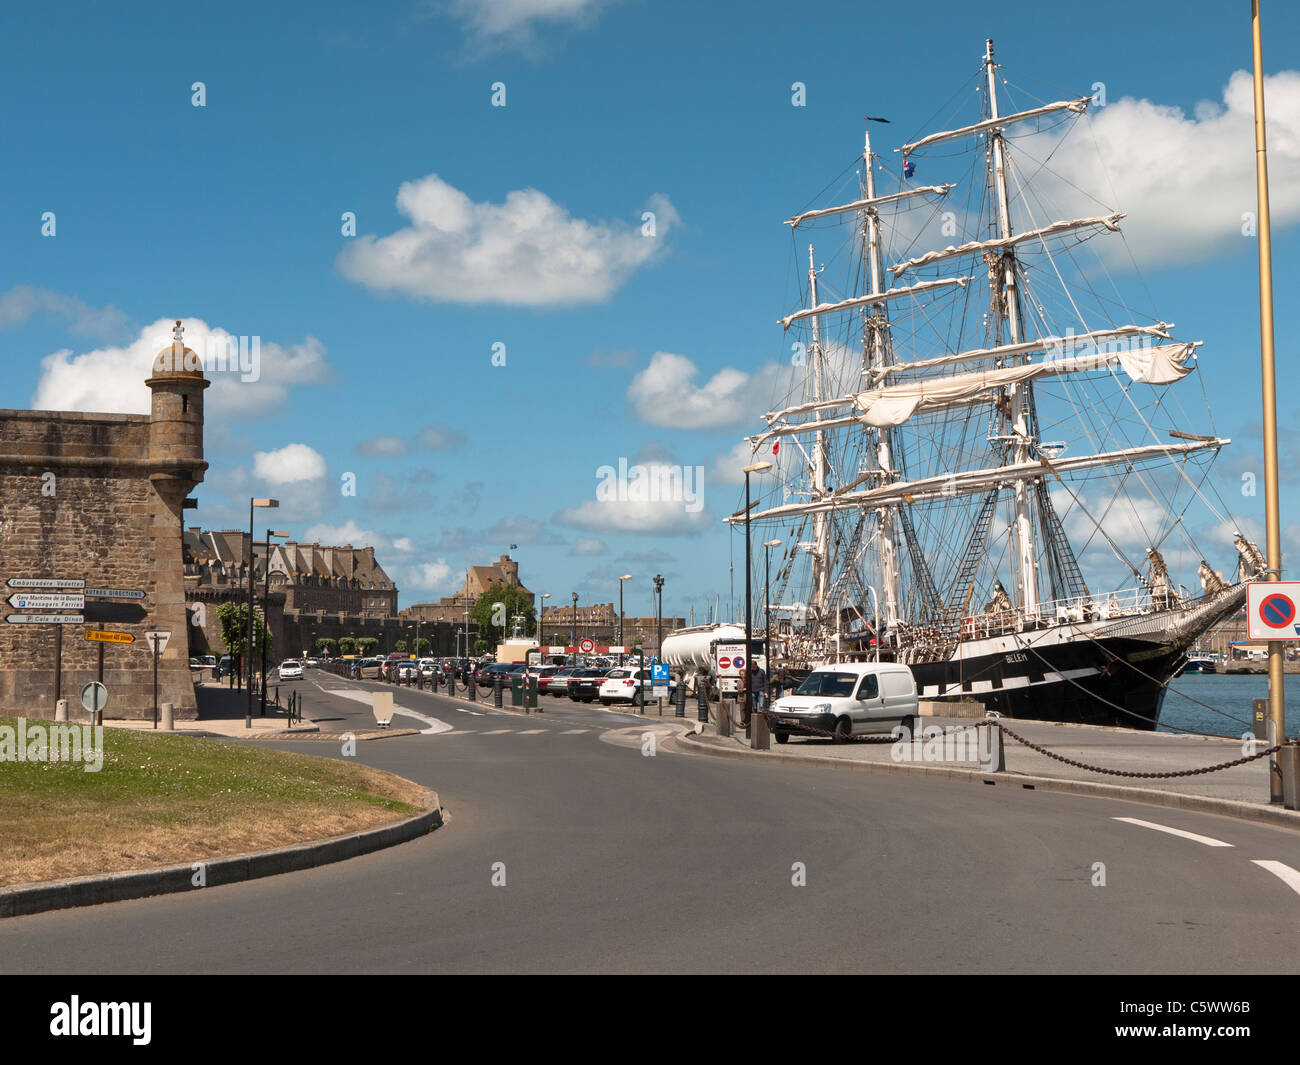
[[806, 729]]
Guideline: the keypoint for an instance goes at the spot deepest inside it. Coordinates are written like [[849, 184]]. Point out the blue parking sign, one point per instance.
[[659, 673]]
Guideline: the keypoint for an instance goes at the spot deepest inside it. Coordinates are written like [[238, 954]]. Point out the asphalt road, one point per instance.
[[615, 861]]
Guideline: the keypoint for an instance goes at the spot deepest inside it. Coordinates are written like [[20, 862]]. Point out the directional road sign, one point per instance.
[[45, 619], [46, 582], [47, 601], [114, 593], [115, 613], [1271, 612], [109, 637]]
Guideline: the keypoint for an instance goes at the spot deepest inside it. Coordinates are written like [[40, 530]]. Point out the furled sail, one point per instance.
[[873, 298], [975, 247], [1077, 106], [873, 201], [966, 483]]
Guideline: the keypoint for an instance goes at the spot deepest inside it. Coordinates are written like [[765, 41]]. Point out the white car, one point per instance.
[[621, 686], [313, 662], [290, 669], [848, 699]]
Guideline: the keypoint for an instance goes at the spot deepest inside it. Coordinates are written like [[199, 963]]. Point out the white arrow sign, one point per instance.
[[158, 641], [45, 619], [114, 593], [46, 582], [47, 601]]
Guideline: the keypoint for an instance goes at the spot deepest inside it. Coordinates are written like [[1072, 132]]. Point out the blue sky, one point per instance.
[[229, 214]]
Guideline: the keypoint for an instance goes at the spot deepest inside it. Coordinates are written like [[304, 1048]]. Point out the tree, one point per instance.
[[495, 612], [347, 645], [422, 646], [327, 645], [234, 630], [366, 644], [400, 647]]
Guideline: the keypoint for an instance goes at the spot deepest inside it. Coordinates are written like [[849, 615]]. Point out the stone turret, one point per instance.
[[509, 570], [176, 418]]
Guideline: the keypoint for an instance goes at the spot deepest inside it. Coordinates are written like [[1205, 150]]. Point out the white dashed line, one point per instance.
[[495, 731], [574, 731], [1282, 871], [1207, 840], [534, 731]]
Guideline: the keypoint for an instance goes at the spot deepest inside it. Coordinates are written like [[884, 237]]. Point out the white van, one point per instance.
[[848, 699]]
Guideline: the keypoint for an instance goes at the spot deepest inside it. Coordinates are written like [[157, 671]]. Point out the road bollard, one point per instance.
[[498, 691], [724, 715], [166, 710], [702, 704], [1288, 761], [679, 700], [472, 684], [61, 710], [997, 752], [759, 740], [451, 684]]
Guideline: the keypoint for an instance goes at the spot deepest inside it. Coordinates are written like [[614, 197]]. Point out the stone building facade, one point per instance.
[[478, 579], [100, 497]]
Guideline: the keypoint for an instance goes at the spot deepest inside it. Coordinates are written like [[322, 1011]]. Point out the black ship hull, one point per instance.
[[1108, 681]]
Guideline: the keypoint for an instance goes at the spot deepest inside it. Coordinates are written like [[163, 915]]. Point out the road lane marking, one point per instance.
[[534, 731], [434, 725], [1207, 840], [496, 731], [573, 731], [1282, 871]]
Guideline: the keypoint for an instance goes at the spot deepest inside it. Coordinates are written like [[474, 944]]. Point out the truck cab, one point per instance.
[[848, 699]]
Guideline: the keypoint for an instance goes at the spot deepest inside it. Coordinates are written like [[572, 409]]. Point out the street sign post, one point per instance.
[[94, 697], [46, 582], [158, 644], [45, 619], [47, 601], [1271, 610], [113, 593], [659, 680]]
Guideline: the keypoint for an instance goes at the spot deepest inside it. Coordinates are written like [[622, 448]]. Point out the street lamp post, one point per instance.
[[573, 636], [767, 597], [621, 641], [659, 617], [541, 621], [757, 467], [248, 661], [266, 596]]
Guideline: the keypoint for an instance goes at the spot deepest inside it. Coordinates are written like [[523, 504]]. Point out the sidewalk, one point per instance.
[[222, 712], [1109, 748]]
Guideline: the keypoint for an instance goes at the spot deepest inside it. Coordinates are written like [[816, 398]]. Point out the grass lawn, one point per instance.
[[166, 800]]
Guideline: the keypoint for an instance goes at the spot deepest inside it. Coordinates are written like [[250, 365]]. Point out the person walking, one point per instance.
[[758, 687]]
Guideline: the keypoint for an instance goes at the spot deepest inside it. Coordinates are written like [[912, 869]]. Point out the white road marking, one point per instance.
[[534, 731], [1207, 840], [574, 731], [435, 726], [496, 731], [1282, 871]]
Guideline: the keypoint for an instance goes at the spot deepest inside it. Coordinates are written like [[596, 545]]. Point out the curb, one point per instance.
[[333, 737], [1243, 811], [234, 869]]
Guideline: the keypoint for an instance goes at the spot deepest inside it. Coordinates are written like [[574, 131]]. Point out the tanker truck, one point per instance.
[[709, 655]]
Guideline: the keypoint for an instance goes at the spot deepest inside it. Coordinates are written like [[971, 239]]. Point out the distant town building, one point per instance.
[[478, 579], [99, 498]]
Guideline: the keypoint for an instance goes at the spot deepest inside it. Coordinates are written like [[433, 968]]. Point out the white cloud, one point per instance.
[[505, 17], [728, 466], [663, 502], [585, 546], [382, 447], [288, 465], [430, 576], [527, 251], [111, 379], [1184, 182], [665, 393], [23, 301]]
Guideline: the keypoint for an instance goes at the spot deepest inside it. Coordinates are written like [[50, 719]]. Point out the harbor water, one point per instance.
[[1230, 694]]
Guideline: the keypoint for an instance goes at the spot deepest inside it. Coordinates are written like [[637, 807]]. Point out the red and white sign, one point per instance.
[[1271, 610], [724, 662], [587, 646]]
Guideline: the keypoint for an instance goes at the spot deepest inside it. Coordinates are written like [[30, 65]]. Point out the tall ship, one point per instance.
[[976, 420]]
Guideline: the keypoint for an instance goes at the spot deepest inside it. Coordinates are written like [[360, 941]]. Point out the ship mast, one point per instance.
[[821, 535], [1021, 399], [876, 324]]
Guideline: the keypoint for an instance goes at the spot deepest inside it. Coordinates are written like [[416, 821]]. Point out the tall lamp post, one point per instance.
[[1268, 379], [573, 636], [266, 596], [767, 597], [757, 467], [248, 661], [659, 617], [621, 641], [541, 621]]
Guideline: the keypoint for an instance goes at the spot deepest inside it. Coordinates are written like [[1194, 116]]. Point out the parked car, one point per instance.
[[585, 687], [486, 675], [290, 669], [849, 699], [313, 662], [225, 667], [544, 675], [629, 684]]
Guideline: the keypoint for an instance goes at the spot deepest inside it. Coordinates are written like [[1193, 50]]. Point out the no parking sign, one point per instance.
[[1271, 612]]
